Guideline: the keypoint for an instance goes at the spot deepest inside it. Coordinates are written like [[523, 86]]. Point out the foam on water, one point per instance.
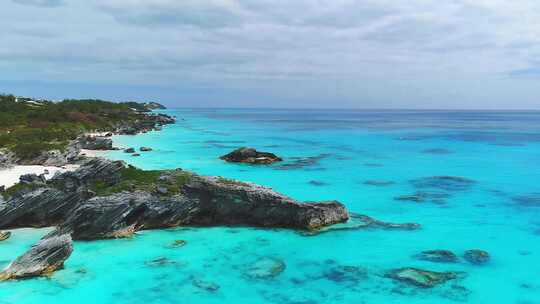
[[328, 155]]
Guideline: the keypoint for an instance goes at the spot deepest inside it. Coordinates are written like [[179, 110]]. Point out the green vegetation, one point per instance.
[[133, 179], [228, 181], [28, 128], [9, 192]]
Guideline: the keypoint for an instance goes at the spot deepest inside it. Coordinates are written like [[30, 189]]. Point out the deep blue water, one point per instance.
[[329, 154]]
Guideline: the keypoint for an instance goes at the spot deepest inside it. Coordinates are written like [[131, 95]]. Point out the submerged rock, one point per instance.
[[4, 235], [529, 201], [135, 154], [302, 162], [476, 256], [360, 221], [205, 285], [145, 149], [438, 255], [423, 196], [265, 268], [379, 183], [44, 258], [129, 150], [437, 151], [160, 262], [178, 244], [446, 183], [421, 278], [250, 156], [346, 274], [317, 183]]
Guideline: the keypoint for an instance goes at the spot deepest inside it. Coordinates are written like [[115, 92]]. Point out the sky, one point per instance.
[[414, 54]]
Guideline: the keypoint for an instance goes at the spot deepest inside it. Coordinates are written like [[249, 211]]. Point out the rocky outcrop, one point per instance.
[[129, 150], [69, 201], [421, 278], [7, 159], [145, 149], [250, 156], [228, 202], [47, 256], [55, 157], [154, 106], [96, 143]]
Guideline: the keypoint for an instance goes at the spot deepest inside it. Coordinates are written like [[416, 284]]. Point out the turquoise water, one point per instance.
[[328, 155]]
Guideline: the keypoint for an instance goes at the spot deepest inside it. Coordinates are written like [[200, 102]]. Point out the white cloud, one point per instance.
[[340, 48]]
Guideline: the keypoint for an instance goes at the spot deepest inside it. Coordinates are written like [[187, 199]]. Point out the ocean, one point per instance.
[[384, 164]]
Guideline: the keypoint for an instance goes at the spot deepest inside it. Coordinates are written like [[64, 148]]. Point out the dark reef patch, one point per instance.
[[318, 183], [438, 151], [425, 197], [378, 183], [295, 163], [374, 165], [438, 256], [446, 183], [531, 200]]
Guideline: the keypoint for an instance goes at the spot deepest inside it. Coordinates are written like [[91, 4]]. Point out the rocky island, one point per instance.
[[250, 156]]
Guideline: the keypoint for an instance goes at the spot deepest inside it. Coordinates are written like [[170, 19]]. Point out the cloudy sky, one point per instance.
[[276, 53]]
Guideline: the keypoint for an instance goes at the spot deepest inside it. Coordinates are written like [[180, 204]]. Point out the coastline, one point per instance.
[[10, 176]]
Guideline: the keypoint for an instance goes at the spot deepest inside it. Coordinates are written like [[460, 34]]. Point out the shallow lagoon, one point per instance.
[[329, 155]]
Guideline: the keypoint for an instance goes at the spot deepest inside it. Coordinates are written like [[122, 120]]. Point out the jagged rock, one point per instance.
[[97, 169], [226, 202], [129, 150], [4, 235], [440, 256], [96, 143], [421, 278], [42, 207], [250, 156], [265, 268], [68, 201], [47, 256], [476, 256], [145, 149], [28, 179], [162, 190]]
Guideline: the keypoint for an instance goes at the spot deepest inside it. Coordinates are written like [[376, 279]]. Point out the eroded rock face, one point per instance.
[[250, 156], [68, 201], [226, 202], [47, 256], [421, 278]]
